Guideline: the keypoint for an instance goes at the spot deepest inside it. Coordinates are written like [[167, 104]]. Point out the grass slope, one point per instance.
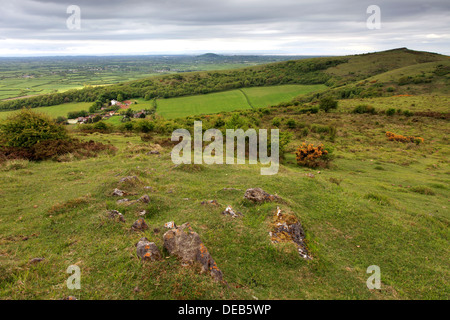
[[381, 203]]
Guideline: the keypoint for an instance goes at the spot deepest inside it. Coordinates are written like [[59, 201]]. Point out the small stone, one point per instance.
[[210, 202], [130, 180], [118, 193], [122, 201], [143, 213], [144, 199], [258, 195], [36, 260], [114, 213], [139, 225], [170, 225], [229, 211], [147, 251]]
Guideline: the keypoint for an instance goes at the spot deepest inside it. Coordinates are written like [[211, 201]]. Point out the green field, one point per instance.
[[55, 111], [230, 100], [198, 104], [268, 96]]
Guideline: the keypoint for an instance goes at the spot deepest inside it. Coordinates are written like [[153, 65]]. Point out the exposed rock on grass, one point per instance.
[[121, 201], [139, 225], [287, 228], [258, 195], [184, 243], [113, 214], [230, 212], [118, 193], [170, 225], [147, 251], [130, 180], [210, 202], [144, 199], [36, 260]]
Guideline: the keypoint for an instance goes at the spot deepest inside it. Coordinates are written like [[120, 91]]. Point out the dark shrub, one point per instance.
[[328, 103], [390, 112], [363, 108], [26, 128]]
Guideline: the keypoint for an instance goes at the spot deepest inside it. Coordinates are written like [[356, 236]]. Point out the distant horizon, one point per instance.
[[205, 53]]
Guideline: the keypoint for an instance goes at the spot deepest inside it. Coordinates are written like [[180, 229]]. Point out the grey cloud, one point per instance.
[[116, 20]]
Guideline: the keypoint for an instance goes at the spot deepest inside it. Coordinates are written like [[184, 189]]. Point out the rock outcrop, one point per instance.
[[186, 244], [139, 225], [147, 251], [258, 195]]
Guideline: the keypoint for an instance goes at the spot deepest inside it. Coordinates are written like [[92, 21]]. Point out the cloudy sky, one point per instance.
[[303, 27]]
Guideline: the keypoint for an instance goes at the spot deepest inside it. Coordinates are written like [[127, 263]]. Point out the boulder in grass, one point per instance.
[[287, 228], [147, 251], [258, 195], [185, 244], [139, 225]]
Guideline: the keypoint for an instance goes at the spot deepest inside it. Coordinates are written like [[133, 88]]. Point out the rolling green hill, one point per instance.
[[341, 74], [375, 201]]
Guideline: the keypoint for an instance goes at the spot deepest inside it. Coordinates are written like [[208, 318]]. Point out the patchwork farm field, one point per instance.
[[198, 104], [241, 99]]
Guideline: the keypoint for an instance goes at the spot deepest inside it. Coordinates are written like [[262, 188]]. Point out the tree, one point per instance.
[[120, 97], [328, 103]]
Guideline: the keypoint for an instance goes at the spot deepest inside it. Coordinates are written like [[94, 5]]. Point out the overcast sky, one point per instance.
[[302, 27]]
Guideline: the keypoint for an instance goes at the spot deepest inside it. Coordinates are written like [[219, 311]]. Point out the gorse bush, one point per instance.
[[396, 137], [310, 156], [27, 128]]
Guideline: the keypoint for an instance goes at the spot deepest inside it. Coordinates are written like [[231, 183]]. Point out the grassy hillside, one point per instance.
[[377, 202], [380, 203]]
